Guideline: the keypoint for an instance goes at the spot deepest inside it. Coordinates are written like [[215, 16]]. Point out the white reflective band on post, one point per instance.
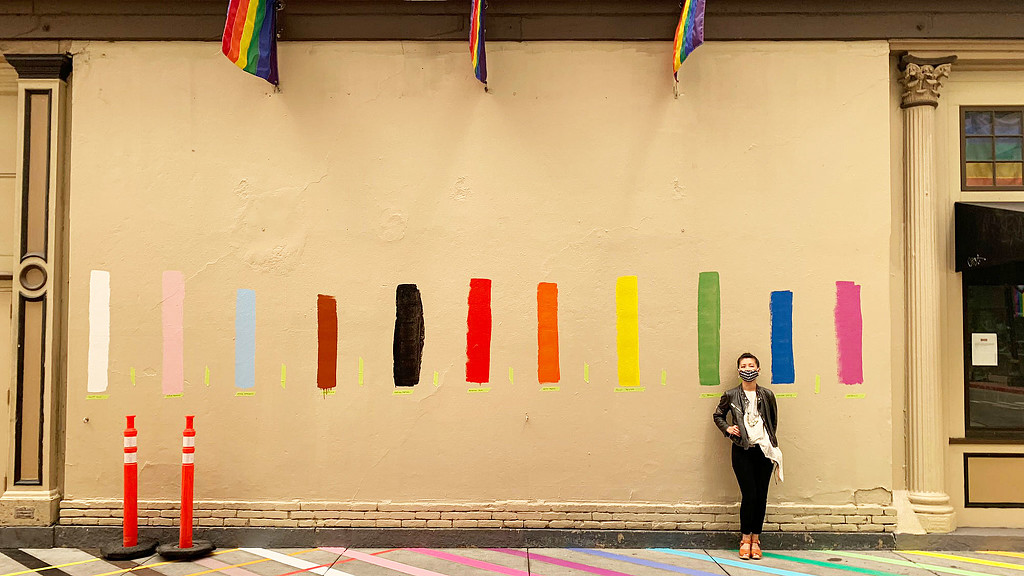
[[131, 441], [188, 458], [131, 458], [188, 441]]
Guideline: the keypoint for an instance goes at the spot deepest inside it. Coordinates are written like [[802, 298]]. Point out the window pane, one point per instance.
[[979, 174], [1008, 149], [995, 393], [979, 149], [978, 122], [1009, 174], [1007, 122]]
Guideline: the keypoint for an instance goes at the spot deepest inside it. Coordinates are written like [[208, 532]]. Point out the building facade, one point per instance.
[[591, 247]]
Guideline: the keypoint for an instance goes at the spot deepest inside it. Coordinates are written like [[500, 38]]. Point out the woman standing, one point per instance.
[[755, 448]]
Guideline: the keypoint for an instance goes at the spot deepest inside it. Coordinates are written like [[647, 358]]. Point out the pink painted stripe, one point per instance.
[[849, 333], [473, 562], [223, 568], [384, 562], [173, 312], [560, 562]]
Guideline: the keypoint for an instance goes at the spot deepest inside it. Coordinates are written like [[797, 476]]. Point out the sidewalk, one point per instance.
[[329, 561]]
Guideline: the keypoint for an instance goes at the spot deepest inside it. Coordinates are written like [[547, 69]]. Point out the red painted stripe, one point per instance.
[[547, 333], [478, 334], [229, 26], [326, 342], [239, 25]]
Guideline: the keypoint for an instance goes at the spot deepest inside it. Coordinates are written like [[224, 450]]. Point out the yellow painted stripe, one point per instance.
[[122, 571], [243, 44], [246, 563], [54, 566], [627, 326], [1000, 553], [967, 559]]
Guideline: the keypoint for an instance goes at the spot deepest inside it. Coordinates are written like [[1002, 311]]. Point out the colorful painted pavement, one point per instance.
[[332, 561]]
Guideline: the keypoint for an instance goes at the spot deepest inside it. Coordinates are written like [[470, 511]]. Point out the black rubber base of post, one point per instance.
[[118, 551], [199, 549]]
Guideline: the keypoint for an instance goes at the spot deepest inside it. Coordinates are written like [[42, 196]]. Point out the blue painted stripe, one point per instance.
[[245, 339], [722, 561], [781, 308], [642, 562]]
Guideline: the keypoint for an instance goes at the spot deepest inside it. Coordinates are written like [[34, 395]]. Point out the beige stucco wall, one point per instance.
[[8, 160], [386, 163]]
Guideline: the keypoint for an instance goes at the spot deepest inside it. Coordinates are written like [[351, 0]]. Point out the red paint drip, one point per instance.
[[478, 333], [326, 342]]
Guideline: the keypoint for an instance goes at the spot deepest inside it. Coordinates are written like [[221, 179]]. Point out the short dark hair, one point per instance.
[[747, 355]]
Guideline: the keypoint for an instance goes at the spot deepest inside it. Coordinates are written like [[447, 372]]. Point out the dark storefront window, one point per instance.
[[994, 349]]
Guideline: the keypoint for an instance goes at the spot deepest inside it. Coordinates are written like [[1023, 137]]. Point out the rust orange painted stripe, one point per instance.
[[547, 333]]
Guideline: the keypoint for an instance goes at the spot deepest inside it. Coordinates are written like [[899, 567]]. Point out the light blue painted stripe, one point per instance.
[[748, 565], [642, 562], [781, 307], [245, 339]]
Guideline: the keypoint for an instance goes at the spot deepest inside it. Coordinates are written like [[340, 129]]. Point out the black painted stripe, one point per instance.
[[135, 567], [30, 562], [408, 344]]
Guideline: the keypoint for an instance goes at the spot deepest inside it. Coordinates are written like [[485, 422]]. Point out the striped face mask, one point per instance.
[[748, 375]]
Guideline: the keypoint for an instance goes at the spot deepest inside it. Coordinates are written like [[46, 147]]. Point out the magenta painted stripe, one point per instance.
[[173, 313], [473, 562], [383, 562], [849, 333], [560, 562]]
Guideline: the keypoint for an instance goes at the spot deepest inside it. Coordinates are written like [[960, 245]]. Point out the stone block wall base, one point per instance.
[[29, 508]]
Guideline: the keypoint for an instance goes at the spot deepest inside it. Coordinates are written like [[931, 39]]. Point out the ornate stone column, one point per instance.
[[921, 80], [34, 464]]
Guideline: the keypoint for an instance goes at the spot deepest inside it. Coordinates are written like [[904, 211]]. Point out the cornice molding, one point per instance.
[[972, 55], [40, 66]]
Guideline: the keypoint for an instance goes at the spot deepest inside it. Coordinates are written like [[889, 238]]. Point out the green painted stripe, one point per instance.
[[829, 564], [709, 325], [895, 562]]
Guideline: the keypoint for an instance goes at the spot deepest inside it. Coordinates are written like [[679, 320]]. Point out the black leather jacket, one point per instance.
[[734, 402]]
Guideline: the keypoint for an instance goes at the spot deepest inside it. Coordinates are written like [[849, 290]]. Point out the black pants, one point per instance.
[[753, 471]]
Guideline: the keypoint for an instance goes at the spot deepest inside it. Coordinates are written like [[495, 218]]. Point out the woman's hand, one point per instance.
[[733, 430]]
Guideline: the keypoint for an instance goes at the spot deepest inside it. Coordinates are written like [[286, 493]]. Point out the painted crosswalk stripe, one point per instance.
[[140, 568], [34, 564], [473, 562], [55, 566], [225, 568], [643, 562], [895, 562], [829, 564], [727, 562], [383, 562], [295, 562], [560, 562], [965, 559]]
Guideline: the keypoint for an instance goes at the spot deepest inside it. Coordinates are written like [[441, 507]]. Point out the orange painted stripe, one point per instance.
[[236, 35], [547, 333]]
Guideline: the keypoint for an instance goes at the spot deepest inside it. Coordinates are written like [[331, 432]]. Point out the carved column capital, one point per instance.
[[921, 79]]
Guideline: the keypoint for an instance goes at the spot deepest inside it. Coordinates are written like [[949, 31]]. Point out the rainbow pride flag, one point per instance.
[[250, 37], [689, 33], [476, 41]]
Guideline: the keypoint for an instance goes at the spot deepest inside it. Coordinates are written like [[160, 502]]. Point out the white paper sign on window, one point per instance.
[[984, 349]]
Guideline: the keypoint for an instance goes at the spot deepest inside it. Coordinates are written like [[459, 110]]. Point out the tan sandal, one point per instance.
[[755, 550], [745, 548]]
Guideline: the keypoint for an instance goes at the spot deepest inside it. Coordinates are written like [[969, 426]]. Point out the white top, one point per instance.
[[756, 433]]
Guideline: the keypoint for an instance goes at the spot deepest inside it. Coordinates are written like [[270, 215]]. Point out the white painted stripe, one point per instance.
[[295, 562], [99, 331], [188, 441], [188, 458], [131, 441], [131, 458]]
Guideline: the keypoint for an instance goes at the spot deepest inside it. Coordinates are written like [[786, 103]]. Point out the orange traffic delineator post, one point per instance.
[[130, 546], [187, 548]]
